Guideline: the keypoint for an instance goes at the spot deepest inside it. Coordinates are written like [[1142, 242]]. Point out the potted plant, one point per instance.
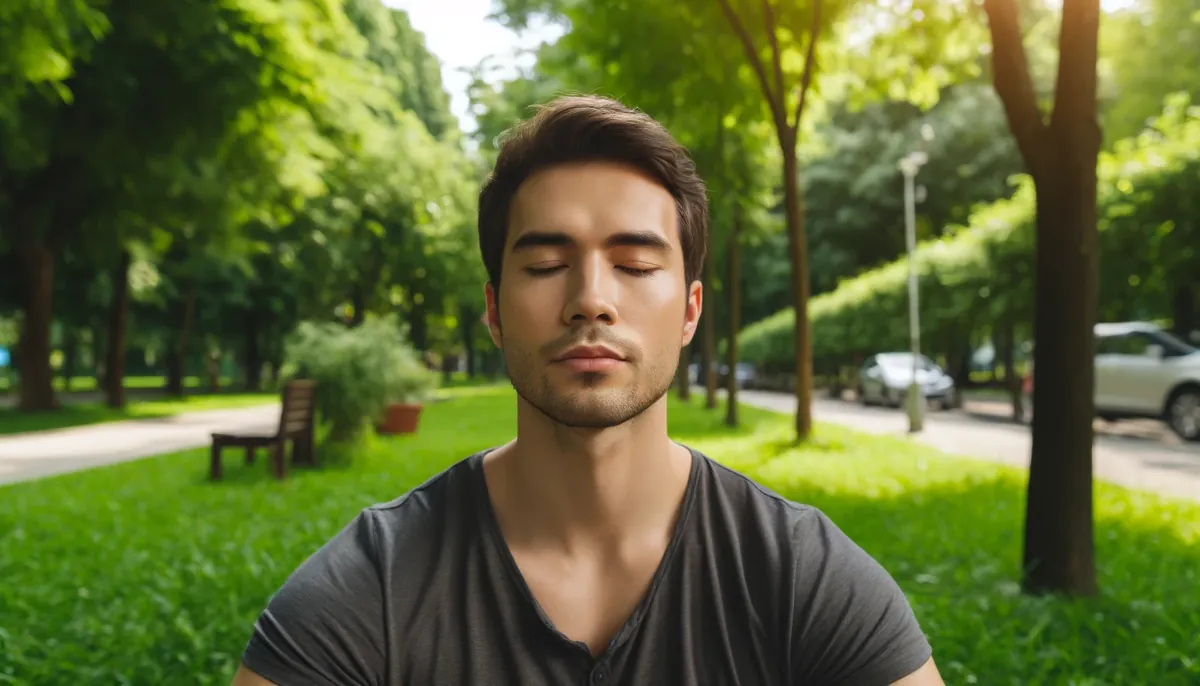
[[359, 371], [410, 386]]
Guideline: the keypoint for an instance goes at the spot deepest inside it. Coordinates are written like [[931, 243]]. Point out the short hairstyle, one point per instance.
[[585, 128]]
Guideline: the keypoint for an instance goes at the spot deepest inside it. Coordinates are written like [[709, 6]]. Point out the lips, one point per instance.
[[591, 352], [591, 358]]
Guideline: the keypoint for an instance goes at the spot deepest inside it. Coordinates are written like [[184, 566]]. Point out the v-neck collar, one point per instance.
[[491, 531]]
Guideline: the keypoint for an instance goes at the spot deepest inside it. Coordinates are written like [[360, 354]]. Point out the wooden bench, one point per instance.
[[296, 424]]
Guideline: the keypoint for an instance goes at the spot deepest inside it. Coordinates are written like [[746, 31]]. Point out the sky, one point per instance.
[[459, 33]]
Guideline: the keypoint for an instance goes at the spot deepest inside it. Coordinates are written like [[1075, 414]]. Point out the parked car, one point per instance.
[[1145, 372], [886, 377], [744, 373]]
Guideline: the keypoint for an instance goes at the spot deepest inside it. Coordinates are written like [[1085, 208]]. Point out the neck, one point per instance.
[[587, 487]]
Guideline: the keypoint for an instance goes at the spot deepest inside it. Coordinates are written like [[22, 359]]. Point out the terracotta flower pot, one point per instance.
[[400, 418]]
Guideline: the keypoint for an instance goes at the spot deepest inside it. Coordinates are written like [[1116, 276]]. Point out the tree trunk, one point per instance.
[[253, 362], [70, 356], [214, 370], [709, 351], [1059, 550], [177, 360], [794, 204], [1005, 342], [735, 314], [98, 351], [114, 374], [36, 387], [417, 329], [1059, 547], [1184, 311], [683, 381]]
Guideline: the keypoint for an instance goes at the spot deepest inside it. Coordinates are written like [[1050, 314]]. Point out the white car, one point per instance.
[[1145, 372], [885, 378]]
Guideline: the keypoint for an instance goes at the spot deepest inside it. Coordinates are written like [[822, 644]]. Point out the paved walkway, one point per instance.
[[1159, 465], [43, 453]]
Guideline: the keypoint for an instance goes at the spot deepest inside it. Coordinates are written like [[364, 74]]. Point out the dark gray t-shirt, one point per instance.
[[753, 589]]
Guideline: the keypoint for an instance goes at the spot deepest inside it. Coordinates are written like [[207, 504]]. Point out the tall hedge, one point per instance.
[[1149, 222]]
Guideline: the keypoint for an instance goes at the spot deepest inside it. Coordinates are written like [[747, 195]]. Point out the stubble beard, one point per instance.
[[591, 404]]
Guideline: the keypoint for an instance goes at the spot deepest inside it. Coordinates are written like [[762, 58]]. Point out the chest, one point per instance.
[[481, 625], [589, 600]]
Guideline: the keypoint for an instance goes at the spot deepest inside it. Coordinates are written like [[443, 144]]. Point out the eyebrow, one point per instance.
[[645, 239]]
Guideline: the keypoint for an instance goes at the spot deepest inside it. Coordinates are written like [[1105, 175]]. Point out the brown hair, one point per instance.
[[592, 128]]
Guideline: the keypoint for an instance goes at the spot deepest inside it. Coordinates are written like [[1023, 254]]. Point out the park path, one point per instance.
[[1145, 462], [1123, 457], [44, 453]]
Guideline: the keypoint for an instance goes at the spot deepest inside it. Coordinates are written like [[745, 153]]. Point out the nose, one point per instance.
[[592, 294]]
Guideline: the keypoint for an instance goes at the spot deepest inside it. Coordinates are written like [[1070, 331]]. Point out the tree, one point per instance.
[[1061, 158], [910, 59], [154, 98]]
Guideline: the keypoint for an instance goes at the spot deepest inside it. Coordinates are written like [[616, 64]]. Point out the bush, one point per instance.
[[358, 371], [1149, 222]]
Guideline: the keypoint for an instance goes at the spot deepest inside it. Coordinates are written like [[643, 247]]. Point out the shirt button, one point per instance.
[[599, 675]]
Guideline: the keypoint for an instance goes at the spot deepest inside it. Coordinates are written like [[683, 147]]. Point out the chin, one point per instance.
[[594, 407]]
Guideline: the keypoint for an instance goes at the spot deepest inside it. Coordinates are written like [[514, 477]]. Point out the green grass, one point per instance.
[[81, 414], [144, 573]]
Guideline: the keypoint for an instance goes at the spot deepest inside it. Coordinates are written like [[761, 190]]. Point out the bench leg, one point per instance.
[[215, 468], [249, 454], [278, 459]]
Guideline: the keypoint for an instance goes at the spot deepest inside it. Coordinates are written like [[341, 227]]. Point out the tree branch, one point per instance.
[[774, 101], [1013, 83], [1075, 83], [769, 26], [810, 64]]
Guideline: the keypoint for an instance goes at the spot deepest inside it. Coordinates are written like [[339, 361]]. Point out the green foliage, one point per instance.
[[101, 587], [358, 371], [1149, 243], [1148, 52]]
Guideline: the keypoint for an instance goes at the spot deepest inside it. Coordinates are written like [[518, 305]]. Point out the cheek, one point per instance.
[[528, 309], [661, 308]]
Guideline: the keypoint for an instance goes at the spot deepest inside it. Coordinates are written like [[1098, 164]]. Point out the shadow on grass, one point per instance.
[[12, 421], [154, 405]]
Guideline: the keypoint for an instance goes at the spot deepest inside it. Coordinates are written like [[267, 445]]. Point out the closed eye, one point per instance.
[[544, 271], [640, 273]]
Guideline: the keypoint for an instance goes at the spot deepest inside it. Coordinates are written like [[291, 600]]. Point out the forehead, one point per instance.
[[590, 201]]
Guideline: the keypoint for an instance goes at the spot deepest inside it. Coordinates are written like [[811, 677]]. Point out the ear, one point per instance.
[[493, 313], [695, 305]]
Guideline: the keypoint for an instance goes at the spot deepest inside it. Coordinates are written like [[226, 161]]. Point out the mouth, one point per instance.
[[590, 359]]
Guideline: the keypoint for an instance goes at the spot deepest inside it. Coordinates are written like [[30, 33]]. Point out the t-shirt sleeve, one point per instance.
[[325, 625], [851, 623]]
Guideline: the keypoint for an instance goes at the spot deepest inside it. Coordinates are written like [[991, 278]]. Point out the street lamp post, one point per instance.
[[909, 166]]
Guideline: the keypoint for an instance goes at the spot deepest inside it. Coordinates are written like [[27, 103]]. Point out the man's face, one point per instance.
[[593, 309]]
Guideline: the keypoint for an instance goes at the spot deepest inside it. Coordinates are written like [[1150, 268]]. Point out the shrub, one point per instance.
[[982, 274], [358, 371]]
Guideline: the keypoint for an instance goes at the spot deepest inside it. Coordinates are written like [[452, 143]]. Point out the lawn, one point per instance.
[[144, 573], [84, 413]]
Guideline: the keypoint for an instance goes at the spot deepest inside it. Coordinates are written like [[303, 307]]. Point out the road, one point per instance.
[[44, 453], [1139, 455]]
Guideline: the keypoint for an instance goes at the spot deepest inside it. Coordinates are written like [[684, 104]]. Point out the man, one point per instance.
[[591, 549]]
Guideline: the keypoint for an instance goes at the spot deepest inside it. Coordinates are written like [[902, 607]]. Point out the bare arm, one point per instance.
[[245, 677], [927, 675]]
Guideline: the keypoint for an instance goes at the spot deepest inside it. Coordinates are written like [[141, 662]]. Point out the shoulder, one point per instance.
[[844, 618], [326, 623]]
